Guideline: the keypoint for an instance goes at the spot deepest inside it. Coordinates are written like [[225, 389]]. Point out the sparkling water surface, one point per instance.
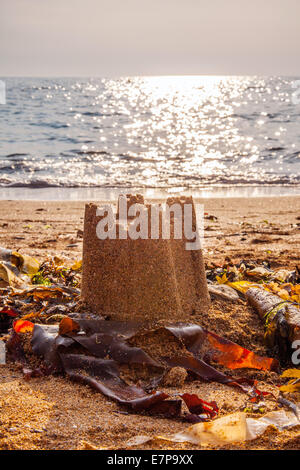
[[167, 133]]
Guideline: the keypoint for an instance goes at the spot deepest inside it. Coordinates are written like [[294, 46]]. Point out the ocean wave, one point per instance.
[[149, 132], [229, 182]]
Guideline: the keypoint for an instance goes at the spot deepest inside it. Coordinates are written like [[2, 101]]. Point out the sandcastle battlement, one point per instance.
[[153, 280]]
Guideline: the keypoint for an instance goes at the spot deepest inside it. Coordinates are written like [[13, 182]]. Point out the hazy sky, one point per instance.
[[149, 37]]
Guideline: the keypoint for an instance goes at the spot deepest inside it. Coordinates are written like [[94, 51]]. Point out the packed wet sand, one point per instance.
[[54, 413]]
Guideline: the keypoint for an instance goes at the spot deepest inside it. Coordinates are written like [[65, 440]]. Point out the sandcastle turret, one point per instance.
[[143, 279]]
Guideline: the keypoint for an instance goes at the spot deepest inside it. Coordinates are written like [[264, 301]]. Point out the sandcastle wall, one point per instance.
[[152, 280]]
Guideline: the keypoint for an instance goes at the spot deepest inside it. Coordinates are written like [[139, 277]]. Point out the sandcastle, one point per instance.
[[152, 280]]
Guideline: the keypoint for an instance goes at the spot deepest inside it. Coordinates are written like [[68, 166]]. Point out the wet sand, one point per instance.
[[69, 415]]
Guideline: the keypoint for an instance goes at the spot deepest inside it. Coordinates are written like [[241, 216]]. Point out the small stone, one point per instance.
[[79, 233], [224, 292], [175, 377], [2, 352], [13, 430]]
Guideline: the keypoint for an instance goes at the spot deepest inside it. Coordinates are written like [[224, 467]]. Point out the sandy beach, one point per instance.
[[120, 331], [72, 416], [244, 227]]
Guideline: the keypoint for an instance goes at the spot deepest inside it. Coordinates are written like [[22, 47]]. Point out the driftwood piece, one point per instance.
[[281, 318]]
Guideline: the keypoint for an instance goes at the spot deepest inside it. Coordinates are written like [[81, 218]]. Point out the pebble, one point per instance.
[[175, 377], [2, 352], [223, 291], [12, 430]]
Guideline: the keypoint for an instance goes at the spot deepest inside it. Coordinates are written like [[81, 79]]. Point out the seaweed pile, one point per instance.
[[274, 295], [94, 352], [48, 331], [45, 293]]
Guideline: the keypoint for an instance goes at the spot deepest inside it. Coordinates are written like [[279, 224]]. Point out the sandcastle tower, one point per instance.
[[152, 280]]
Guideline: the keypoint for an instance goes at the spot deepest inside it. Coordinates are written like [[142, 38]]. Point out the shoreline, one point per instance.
[[110, 194]]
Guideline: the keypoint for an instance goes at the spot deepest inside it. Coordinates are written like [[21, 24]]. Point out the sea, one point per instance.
[[89, 138]]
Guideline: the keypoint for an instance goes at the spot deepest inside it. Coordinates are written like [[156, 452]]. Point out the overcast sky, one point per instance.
[[149, 37]]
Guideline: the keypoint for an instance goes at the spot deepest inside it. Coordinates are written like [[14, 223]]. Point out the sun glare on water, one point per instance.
[[154, 132], [187, 118]]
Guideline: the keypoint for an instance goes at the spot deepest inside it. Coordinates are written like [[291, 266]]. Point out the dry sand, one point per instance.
[[66, 414], [40, 228]]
